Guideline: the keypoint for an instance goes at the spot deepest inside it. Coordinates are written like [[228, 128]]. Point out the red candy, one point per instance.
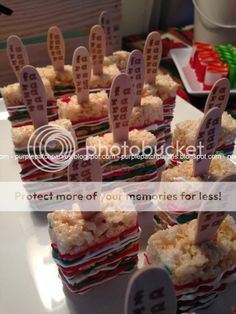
[[65, 99], [206, 63]]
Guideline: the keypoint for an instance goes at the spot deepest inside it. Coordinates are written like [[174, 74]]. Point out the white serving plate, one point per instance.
[[181, 58], [29, 281]]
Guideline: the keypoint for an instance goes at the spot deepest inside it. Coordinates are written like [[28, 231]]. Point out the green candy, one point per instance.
[[232, 74]]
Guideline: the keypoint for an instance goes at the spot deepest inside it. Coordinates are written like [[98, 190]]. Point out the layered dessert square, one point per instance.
[[92, 119], [185, 132], [27, 144], [119, 58], [131, 161], [103, 81], [88, 119], [199, 272], [18, 113], [165, 88], [91, 252], [61, 81]]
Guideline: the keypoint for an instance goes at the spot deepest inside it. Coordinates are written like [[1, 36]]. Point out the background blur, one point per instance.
[[31, 19]]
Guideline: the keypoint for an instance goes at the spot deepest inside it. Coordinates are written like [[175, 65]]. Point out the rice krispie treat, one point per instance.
[[18, 113], [61, 81], [87, 120], [165, 88], [120, 164], [104, 80], [185, 135], [119, 58], [149, 115], [23, 137], [199, 272], [91, 251]]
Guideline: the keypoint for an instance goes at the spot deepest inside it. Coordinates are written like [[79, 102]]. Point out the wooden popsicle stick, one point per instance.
[[207, 136], [34, 95], [84, 169], [152, 53], [81, 70], [106, 22], [218, 96], [150, 290], [97, 47], [17, 54], [209, 219], [135, 70], [56, 48], [120, 108]]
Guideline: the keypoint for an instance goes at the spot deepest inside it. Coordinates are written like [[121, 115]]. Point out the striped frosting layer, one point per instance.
[[83, 270]]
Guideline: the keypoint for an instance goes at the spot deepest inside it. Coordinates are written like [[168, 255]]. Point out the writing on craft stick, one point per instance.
[[30, 89], [17, 54], [87, 170], [81, 74], [105, 21], [207, 141], [56, 48], [121, 104], [34, 95], [219, 95], [209, 219], [207, 136], [207, 225], [212, 220], [152, 55], [156, 299], [81, 171], [135, 70], [97, 48], [150, 291]]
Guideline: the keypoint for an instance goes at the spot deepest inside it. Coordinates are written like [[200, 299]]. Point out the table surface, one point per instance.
[[28, 274]]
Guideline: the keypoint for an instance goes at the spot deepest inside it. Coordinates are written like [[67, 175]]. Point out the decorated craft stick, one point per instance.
[[120, 108], [150, 290], [34, 95], [56, 48], [209, 219], [106, 22], [135, 70], [17, 54], [97, 47], [218, 96], [152, 55], [87, 171], [81, 69], [207, 141]]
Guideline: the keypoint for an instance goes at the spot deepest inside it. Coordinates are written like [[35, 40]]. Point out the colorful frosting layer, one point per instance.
[[19, 115], [99, 263]]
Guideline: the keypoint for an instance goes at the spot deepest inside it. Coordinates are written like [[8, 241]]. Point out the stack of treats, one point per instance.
[[90, 248]]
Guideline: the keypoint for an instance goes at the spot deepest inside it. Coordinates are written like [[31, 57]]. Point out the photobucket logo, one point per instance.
[[51, 148], [121, 151]]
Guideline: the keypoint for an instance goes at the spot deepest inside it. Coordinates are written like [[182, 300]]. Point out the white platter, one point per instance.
[[29, 281], [181, 58]]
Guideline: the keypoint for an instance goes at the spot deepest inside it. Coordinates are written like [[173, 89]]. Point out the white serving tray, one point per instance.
[[28, 276], [181, 58]]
